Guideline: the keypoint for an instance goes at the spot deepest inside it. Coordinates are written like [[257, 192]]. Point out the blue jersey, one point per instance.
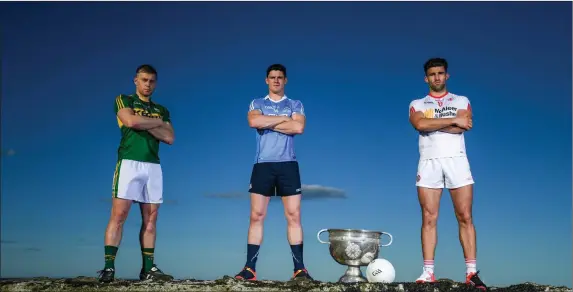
[[273, 146]]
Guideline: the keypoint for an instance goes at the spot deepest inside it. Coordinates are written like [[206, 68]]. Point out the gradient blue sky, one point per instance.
[[355, 66]]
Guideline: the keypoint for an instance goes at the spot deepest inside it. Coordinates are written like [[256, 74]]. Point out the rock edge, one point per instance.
[[229, 284]]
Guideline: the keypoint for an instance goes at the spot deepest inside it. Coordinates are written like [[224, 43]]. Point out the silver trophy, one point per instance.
[[353, 248]]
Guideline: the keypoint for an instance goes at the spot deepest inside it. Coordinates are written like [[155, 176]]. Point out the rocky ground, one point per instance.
[[230, 284]]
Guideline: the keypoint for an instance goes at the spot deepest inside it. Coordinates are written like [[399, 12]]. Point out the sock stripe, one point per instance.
[[297, 256], [470, 266], [252, 256]]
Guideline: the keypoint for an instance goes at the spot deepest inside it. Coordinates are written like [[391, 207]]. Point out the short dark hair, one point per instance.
[[146, 68], [277, 67], [435, 62]]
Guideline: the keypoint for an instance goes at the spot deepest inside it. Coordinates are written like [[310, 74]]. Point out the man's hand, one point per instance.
[[259, 121], [463, 120], [163, 133], [294, 126]]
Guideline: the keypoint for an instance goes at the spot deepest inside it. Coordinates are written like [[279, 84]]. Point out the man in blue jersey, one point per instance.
[[277, 120]]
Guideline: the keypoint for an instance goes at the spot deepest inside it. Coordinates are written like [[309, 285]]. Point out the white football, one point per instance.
[[380, 271]]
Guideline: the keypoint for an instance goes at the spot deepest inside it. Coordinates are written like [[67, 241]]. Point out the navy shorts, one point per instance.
[[276, 178]]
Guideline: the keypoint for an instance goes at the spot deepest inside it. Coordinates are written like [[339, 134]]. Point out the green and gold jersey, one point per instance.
[[139, 145]]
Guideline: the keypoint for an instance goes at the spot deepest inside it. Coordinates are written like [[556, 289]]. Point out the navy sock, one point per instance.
[[252, 255], [297, 256]]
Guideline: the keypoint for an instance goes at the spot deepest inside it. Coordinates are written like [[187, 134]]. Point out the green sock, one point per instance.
[[110, 252], [147, 254]]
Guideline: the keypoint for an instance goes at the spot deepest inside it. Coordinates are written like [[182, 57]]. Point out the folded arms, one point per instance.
[[158, 128], [461, 123], [282, 124]]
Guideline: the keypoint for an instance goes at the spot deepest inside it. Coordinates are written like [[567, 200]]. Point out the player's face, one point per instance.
[[436, 78], [276, 81], [145, 83]]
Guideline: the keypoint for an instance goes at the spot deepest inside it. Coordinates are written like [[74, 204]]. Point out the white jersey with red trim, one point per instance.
[[438, 144]]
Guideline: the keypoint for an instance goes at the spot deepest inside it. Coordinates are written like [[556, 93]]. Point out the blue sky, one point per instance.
[[355, 66]]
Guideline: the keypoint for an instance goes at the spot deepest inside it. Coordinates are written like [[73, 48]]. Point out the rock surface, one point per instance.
[[230, 284]]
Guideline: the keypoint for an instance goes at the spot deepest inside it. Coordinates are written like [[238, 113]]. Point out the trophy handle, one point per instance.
[[391, 239], [318, 236]]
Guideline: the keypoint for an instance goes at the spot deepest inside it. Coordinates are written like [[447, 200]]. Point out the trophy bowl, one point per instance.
[[353, 248]]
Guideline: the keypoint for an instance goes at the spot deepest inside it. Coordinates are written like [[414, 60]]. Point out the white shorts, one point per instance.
[[138, 181], [446, 172]]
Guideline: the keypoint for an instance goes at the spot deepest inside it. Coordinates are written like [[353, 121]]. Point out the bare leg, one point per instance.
[[147, 238], [119, 211], [259, 204], [292, 214], [430, 204], [112, 238], [147, 234], [462, 199], [295, 235]]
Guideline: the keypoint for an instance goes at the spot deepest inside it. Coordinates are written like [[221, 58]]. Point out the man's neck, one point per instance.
[[276, 96], [438, 94], [143, 97]]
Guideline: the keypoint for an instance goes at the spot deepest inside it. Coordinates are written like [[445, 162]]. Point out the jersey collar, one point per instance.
[[277, 101], [438, 96], [134, 95]]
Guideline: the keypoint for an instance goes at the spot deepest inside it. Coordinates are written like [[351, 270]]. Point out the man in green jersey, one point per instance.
[[138, 176]]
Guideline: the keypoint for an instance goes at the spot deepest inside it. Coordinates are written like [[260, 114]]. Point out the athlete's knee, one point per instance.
[[119, 216], [293, 219], [148, 227], [429, 217], [464, 216], [258, 215], [149, 213], [462, 198], [293, 216], [116, 222], [149, 220], [259, 205]]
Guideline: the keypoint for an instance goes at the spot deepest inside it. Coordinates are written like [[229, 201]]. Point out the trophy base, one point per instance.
[[352, 275]]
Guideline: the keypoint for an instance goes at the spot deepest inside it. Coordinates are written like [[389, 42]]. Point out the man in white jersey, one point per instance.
[[277, 119], [441, 118]]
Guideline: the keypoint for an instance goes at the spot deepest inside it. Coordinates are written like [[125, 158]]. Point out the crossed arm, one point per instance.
[[282, 124], [452, 130], [455, 129], [159, 129], [163, 133], [448, 125]]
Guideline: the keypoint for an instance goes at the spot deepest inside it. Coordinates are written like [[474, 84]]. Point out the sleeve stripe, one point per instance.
[[119, 102]]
